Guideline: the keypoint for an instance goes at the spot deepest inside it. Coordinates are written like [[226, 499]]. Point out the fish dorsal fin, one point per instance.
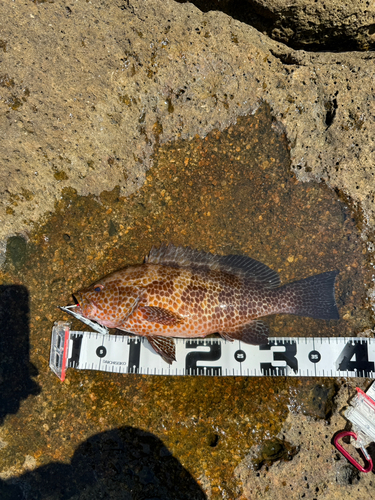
[[169, 255], [252, 269], [240, 265]]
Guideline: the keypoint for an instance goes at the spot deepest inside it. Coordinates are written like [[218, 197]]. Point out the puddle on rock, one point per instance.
[[231, 192]]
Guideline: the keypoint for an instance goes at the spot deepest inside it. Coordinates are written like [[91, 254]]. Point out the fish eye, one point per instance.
[[98, 288]]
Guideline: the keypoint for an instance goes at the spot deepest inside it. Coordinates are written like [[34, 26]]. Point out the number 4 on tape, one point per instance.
[[295, 357]]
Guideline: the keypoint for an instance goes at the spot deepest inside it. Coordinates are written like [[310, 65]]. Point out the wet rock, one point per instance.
[[319, 401], [231, 192], [347, 474], [270, 451], [318, 470], [213, 439]]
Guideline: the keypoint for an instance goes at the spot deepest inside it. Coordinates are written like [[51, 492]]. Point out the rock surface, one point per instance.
[[88, 92], [318, 471], [310, 25], [316, 24]]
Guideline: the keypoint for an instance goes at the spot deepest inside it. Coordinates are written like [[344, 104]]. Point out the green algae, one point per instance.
[[273, 450], [16, 251]]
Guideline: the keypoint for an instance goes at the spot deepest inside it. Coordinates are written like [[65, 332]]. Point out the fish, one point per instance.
[[186, 293]]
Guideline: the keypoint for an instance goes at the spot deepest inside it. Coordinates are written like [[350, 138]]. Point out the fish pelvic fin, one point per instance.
[[256, 333], [312, 297], [165, 346], [160, 315]]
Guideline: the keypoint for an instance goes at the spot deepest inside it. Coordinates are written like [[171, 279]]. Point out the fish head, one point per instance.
[[110, 300]]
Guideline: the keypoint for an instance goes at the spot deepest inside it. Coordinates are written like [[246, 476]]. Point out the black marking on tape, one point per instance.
[[289, 356], [134, 354], [76, 338], [240, 356], [192, 358], [314, 356], [360, 364], [101, 351]]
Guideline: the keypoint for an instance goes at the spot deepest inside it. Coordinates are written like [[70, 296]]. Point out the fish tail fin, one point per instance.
[[313, 297]]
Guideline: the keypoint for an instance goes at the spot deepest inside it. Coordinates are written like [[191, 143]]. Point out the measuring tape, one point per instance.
[[295, 357]]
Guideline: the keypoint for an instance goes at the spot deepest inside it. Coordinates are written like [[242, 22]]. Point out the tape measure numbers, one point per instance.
[[297, 356]]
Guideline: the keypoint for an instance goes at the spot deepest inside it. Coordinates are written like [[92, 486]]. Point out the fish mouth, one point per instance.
[[84, 307], [77, 302]]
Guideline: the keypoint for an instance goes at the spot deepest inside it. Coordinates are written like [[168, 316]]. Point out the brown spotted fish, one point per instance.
[[180, 292]]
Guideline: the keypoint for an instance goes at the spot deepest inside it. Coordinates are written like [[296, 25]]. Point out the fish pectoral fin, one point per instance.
[[255, 333], [165, 346], [160, 315]]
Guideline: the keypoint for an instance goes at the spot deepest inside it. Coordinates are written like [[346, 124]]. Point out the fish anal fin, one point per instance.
[[255, 333], [160, 315], [165, 346]]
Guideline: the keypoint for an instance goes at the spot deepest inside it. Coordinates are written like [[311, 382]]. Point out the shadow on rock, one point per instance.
[[296, 27], [16, 370], [244, 11], [124, 463]]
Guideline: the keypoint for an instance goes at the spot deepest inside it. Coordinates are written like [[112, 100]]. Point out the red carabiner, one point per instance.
[[348, 456]]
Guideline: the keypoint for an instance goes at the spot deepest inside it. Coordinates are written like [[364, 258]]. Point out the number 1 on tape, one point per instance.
[[298, 357]]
